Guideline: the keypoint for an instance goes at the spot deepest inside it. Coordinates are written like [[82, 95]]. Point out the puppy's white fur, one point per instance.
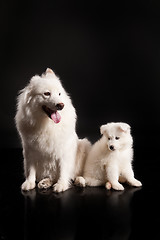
[[50, 145], [109, 161]]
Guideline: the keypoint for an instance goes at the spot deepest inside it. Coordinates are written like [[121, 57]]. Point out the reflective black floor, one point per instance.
[[92, 213]]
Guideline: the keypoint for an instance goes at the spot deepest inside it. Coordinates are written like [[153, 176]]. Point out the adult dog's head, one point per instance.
[[43, 97]]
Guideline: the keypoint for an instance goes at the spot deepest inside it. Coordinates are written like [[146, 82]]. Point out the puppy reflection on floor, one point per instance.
[[113, 210], [109, 162]]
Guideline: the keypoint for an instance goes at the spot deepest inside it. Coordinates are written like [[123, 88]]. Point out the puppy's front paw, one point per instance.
[[136, 183], [28, 185], [117, 186], [45, 183], [80, 181], [60, 187]]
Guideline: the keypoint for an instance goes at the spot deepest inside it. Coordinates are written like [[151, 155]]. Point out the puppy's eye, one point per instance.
[[47, 93], [59, 94], [109, 138], [117, 138]]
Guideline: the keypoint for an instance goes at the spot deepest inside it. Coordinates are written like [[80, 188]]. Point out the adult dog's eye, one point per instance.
[[117, 138], [59, 94], [47, 93]]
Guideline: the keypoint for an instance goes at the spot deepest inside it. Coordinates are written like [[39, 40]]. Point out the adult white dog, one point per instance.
[[109, 161], [46, 121]]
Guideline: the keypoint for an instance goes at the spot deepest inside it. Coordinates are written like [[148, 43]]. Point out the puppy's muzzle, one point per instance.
[[59, 106]]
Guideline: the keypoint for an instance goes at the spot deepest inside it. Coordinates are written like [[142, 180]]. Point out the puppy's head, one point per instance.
[[117, 135], [45, 96]]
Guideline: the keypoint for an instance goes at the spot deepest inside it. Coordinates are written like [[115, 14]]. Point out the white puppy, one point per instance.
[[46, 121], [109, 161]]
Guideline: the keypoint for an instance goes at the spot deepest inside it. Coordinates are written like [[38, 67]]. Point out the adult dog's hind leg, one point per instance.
[[80, 181], [45, 183]]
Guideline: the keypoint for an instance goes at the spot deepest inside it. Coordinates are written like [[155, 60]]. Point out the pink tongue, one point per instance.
[[56, 117]]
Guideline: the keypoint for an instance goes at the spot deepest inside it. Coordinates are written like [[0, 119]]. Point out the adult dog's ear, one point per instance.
[[28, 96], [124, 127], [48, 71], [26, 93], [103, 129]]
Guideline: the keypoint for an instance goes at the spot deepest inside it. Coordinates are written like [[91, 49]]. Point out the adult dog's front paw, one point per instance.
[[60, 187], [28, 185]]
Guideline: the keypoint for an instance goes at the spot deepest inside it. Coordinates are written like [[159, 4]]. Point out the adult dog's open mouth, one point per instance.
[[54, 114]]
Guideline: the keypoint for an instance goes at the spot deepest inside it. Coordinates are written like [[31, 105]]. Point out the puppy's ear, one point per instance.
[[49, 70], [102, 129], [124, 127]]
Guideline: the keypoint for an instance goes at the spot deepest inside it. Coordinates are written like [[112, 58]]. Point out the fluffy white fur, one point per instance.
[[110, 158], [46, 121]]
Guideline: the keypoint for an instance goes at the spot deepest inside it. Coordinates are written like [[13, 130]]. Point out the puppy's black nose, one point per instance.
[[111, 147], [60, 106]]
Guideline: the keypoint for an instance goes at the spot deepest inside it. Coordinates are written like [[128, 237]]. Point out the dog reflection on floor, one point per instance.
[[89, 213]]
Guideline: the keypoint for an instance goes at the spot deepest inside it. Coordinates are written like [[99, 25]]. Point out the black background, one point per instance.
[[107, 55]]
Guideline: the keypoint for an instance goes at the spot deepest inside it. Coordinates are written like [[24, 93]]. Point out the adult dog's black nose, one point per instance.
[[111, 147], [60, 106]]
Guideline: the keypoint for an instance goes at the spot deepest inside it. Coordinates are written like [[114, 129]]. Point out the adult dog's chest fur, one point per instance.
[[47, 140]]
